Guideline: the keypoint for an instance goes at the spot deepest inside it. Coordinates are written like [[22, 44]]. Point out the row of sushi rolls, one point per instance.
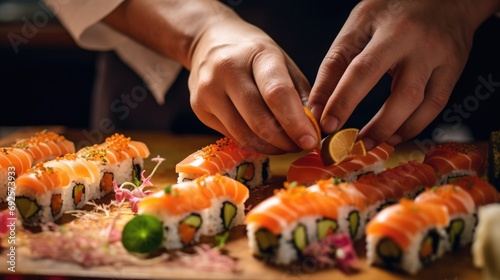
[[409, 214]]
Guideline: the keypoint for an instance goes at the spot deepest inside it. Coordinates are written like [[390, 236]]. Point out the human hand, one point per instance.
[[245, 86], [423, 45]]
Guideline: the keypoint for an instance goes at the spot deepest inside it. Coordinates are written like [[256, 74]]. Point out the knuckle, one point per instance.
[[414, 93], [366, 65]]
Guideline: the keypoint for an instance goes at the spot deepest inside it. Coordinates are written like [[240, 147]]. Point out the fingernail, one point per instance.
[[369, 143], [316, 111], [307, 142], [394, 140], [329, 124]]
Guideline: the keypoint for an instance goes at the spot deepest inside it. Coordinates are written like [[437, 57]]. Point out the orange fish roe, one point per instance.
[[455, 147], [43, 136], [71, 156], [220, 145], [291, 192], [118, 142]]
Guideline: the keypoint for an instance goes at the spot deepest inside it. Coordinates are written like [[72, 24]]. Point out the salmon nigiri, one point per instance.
[[453, 159], [227, 158], [310, 168], [407, 235], [45, 145]]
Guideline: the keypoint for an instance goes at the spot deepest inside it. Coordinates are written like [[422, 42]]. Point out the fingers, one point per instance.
[[437, 93], [228, 121], [346, 46], [278, 91], [409, 82], [362, 74]]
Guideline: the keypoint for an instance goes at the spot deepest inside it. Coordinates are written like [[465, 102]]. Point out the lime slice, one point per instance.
[[143, 234]]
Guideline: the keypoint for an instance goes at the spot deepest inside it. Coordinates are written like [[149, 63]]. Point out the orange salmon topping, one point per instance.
[[43, 136]]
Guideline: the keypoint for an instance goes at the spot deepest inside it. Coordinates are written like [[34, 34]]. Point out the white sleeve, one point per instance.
[[82, 19]]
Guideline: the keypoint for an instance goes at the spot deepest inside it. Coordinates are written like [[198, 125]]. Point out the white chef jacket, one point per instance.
[[82, 19]]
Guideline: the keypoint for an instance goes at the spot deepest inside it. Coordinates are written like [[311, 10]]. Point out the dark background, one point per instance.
[[49, 80]]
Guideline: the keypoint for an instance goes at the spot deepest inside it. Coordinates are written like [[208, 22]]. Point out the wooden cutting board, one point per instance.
[[174, 148]]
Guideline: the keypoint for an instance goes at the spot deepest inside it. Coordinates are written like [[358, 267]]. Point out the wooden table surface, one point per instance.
[[174, 148]]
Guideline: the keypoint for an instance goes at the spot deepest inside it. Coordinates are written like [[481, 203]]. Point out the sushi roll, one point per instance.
[[41, 194], [78, 169], [13, 162], [45, 145], [207, 206], [310, 168], [462, 211], [282, 226], [452, 160], [227, 158], [408, 179], [119, 159], [485, 246], [480, 189], [407, 236], [352, 206]]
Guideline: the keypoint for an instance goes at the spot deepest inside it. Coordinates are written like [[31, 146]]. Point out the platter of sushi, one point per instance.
[[110, 210]]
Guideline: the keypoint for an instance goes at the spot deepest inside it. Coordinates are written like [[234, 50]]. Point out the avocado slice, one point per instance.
[[245, 172], [455, 230], [228, 213], [354, 220], [188, 228], [389, 251], [326, 227], [299, 236], [267, 242], [78, 193], [27, 207]]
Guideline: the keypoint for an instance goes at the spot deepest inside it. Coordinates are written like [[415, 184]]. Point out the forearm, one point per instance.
[[170, 27]]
